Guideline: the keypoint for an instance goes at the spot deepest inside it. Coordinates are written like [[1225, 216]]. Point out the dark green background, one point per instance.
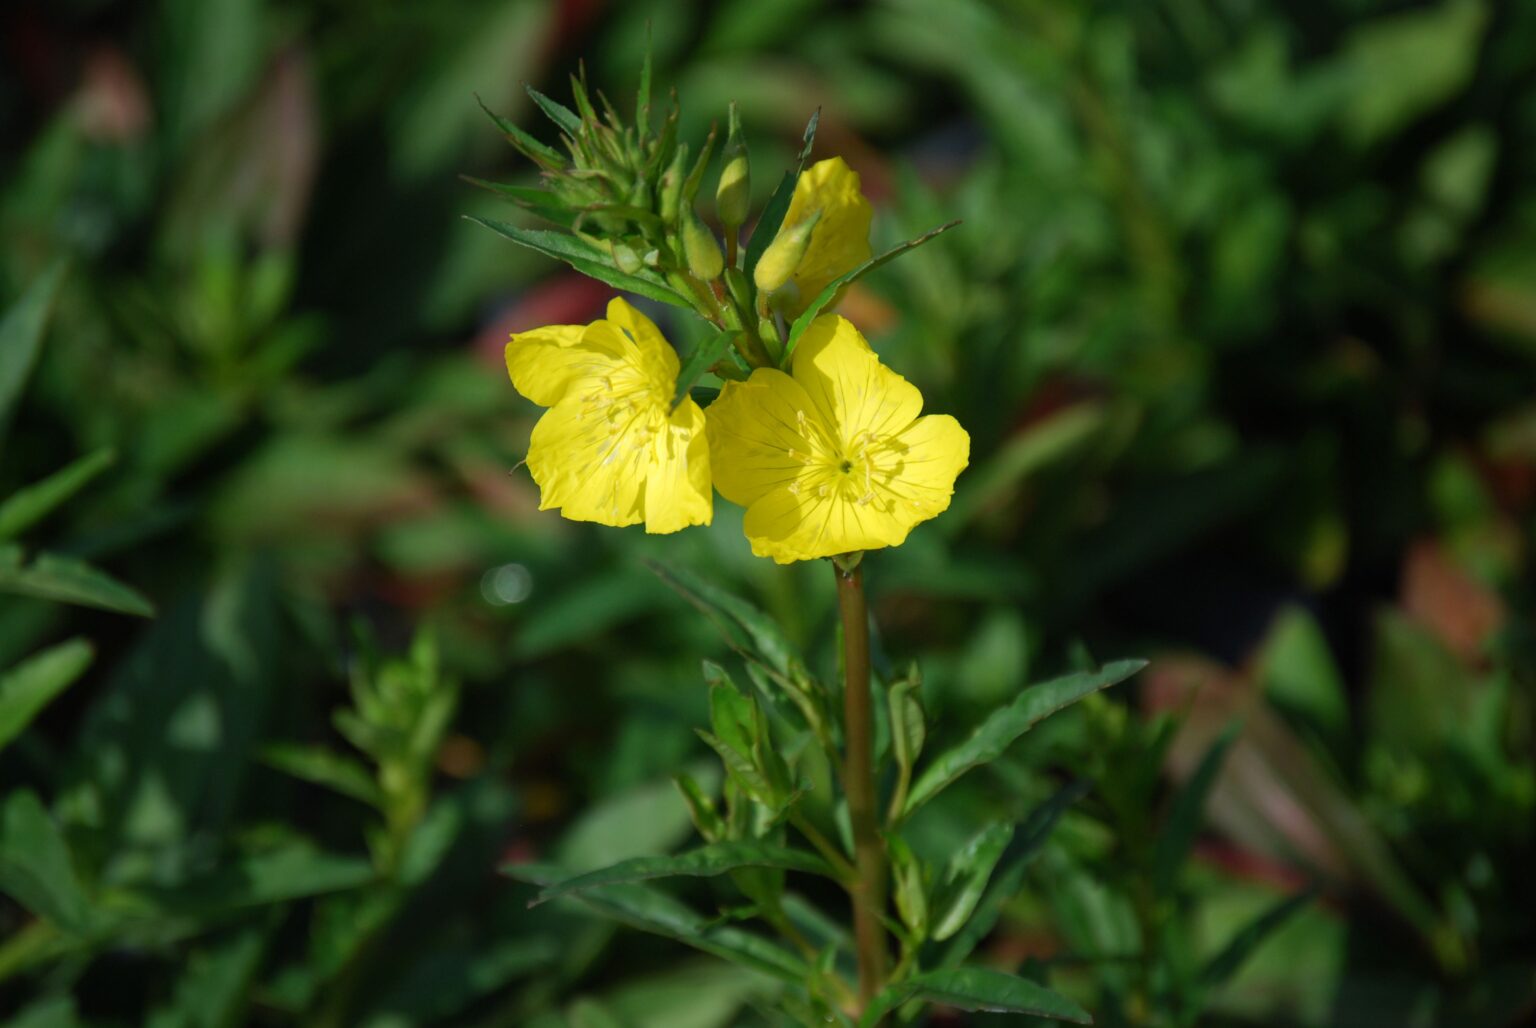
[[1241, 320]]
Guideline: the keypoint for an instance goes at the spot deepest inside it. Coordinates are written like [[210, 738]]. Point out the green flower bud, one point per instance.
[[671, 186], [783, 255], [733, 197], [700, 249], [625, 258]]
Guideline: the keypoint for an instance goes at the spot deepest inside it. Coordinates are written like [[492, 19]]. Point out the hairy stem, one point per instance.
[[868, 890]]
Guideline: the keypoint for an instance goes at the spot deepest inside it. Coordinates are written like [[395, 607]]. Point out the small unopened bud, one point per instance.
[[783, 255], [733, 197], [625, 258], [671, 186], [702, 252]]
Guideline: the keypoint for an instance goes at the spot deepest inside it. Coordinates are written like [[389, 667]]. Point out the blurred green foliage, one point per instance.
[[1242, 321]]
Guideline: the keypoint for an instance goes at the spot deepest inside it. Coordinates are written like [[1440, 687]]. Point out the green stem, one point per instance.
[[868, 889], [829, 853]]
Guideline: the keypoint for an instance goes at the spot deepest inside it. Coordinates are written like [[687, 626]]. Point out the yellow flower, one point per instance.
[[610, 449], [832, 458], [840, 240]]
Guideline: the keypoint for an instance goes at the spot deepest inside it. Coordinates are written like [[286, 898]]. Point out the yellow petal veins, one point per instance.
[[834, 457], [611, 449]]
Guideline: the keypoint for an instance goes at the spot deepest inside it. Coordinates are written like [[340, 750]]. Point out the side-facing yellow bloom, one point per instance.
[[832, 458], [610, 448], [840, 240]]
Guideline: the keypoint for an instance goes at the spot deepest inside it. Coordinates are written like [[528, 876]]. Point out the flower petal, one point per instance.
[[591, 463], [657, 357], [546, 362], [817, 521], [760, 437], [840, 241], [915, 472], [677, 492], [849, 386]]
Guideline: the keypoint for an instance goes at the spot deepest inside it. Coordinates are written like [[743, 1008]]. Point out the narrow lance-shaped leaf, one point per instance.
[[327, 768], [650, 910], [1235, 953], [696, 176], [539, 201], [643, 95], [1005, 725], [1186, 815], [585, 259], [703, 357], [31, 685], [966, 876], [36, 869], [557, 112], [976, 988], [911, 891], [706, 819], [908, 732], [706, 862], [746, 628], [772, 218], [740, 768], [544, 156], [1009, 875], [825, 297], [21, 337], [67, 580], [26, 507]]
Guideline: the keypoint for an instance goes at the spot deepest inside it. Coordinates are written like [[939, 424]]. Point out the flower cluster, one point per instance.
[[825, 447]]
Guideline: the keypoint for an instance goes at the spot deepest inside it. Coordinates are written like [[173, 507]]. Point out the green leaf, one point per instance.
[[1225, 964], [910, 889], [976, 988], [1186, 816], [1027, 451], [748, 630], [288, 872], [643, 821], [51, 577], [909, 729], [703, 357], [215, 983], [1005, 725], [730, 712], [557, 112], [539, 201], [26, 507], [643, 93], [966, 876], [705, 862], [589, 1013], [21, 337], [1298, 673], [36, 869], [696, 174], [325, 767], [772, 218], [32, 684], [706, 819], [740, 768], [1009, 876], [585, 259], [824, 297], [648, 910], [526, 144]]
